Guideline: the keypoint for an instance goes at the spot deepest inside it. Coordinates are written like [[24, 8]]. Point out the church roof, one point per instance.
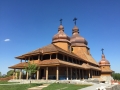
[[48, 49], [87, 57], [106, 70], [53, 62], [51, 48]]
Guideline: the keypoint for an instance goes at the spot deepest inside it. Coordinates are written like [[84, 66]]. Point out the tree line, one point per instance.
[[116, 76]]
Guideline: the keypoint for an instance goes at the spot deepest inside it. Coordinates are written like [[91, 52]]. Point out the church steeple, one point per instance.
[[103, 61], [76, 39], [61, 28], [61, 39], [75, 30]]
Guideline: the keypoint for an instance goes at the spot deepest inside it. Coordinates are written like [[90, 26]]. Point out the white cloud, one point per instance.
[[7, 40]]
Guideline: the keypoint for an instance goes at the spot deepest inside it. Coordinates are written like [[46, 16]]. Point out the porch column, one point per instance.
[[89, 73], [67, 73], [39, 57], [37, 74], [71, 73], [46, 73], [56, 55], [14, 74], [57, 73], [83, 73], [20, 74]]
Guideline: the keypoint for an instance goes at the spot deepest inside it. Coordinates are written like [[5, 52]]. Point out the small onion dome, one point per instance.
[[104, 61], [60, 36], [76, 39]]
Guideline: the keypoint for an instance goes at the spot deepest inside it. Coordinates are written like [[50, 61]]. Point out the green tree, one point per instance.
[[31, 69], [0, 74], [10, 72]]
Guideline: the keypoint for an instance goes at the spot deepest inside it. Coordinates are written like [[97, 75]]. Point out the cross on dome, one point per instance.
[[61, 21], [102, 50], [75, 20]]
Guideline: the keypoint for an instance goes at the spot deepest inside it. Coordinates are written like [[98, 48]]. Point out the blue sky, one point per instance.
[[31, 24]]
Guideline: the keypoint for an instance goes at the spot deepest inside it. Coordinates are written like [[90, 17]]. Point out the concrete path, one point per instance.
[[93, 87], [39, 87]]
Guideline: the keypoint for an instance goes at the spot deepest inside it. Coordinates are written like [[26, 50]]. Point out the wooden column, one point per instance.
[[37, 74], [57, 73], [83, 74], [20, 74], [89, 73], [39, 57], [67, 73], [14, 74], [50, 56], [71, 73], [46, 73], [56, 55]]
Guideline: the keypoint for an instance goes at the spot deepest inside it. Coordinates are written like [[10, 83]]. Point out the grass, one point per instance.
[[6, 82], [61, 86], [53, 86], [18, 86]]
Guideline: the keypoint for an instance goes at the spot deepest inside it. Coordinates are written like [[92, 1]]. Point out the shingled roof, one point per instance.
[[53, 48], [49, 49], [86, 57]]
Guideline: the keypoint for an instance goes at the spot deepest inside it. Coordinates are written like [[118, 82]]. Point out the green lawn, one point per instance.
[[18, 86], [6, 82], [56, 86]]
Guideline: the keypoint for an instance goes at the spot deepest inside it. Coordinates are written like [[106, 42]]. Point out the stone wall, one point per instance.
[[107, 78], [113, 87]]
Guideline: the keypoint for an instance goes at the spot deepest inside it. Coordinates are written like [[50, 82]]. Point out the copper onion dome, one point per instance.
[[60, 36], [76, 39], [103, 61]]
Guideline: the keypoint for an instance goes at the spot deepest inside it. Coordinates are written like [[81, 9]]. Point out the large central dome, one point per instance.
[[76, 39]]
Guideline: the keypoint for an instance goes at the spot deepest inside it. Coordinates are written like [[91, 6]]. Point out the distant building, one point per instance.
[[65, 58]]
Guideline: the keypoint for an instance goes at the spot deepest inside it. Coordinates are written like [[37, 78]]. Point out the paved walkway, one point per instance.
[[93, 87], [39, 87]]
